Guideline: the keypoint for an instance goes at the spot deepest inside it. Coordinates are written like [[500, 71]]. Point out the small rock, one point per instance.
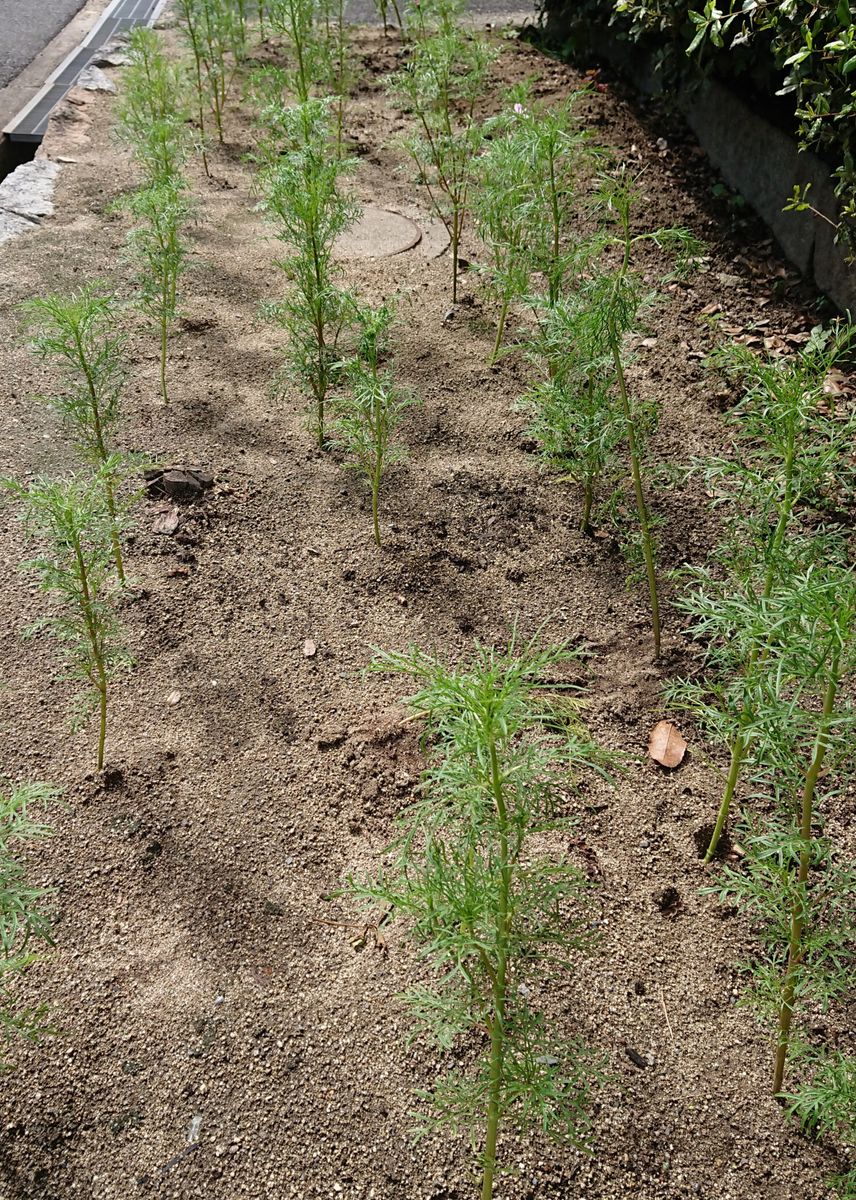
[[309, 648], [202, 476], [173, 697], [93, 79], [181, 485]]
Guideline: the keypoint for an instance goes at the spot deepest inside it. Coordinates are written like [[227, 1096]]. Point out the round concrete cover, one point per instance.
[[378, 233]]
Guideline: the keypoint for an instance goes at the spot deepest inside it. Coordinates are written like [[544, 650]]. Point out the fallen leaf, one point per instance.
[[309, 648], [173, 697], [666, 746], [710, 309], [835, 383], [166, 520]]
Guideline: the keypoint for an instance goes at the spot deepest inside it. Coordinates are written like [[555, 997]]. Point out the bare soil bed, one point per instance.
[[201, 968]]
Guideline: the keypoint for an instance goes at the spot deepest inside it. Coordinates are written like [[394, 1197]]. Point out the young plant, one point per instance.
[[488, 905], [576, 418], [620, 300], [23, 919], [793, 883], [300, 189], [70, 520], [440, 86], [525, 199], [191, 26], [295, 21], [337, 67], [239, 28], [370, 410], [825, 653], [152, 110], [790, 455], [214, 23], [78, 332], [160, 250]]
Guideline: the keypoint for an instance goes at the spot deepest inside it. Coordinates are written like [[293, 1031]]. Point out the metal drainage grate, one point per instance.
[[119, 17]]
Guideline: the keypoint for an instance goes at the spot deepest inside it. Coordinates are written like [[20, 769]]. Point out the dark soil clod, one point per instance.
[[702, 837], [636, 1058], [669, 902]]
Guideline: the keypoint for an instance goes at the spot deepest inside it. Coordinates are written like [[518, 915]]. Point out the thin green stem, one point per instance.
[[756, 654], [375, 494], [110, 496], [641, 505], [163, 354], [95, 646], [588, 501], [498, 983], [102, 725], [101, 450], [553, 282], [798, 908], [738, 752]]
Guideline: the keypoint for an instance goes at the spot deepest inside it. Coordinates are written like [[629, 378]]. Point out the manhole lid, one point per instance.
[[378, 233]]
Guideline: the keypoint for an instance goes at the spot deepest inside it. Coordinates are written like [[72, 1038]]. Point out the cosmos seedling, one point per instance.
[[152, 111], [337, 67], [489, 909], [160, 251], [78, 333], [789, 454], [525, 199], [213, 22], [798, 892], [615, 313], [301, 194], [70, 521], [295, 21], [440, 86], [190, 23], [577, 420], [371, 408]]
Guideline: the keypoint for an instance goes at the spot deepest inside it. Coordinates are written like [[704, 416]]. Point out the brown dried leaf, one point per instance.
[[166, 520], [835, 383], [665, 745]]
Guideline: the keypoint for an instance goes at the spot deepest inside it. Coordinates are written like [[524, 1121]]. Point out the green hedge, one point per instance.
[[798, 55]]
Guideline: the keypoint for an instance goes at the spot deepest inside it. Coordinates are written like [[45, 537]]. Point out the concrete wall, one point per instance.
[[762, 163]]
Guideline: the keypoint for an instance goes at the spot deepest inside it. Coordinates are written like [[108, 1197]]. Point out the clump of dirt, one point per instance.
[[227, 1024]]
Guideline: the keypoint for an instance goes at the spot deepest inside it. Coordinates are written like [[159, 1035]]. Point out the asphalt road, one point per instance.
[[26, 26]]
